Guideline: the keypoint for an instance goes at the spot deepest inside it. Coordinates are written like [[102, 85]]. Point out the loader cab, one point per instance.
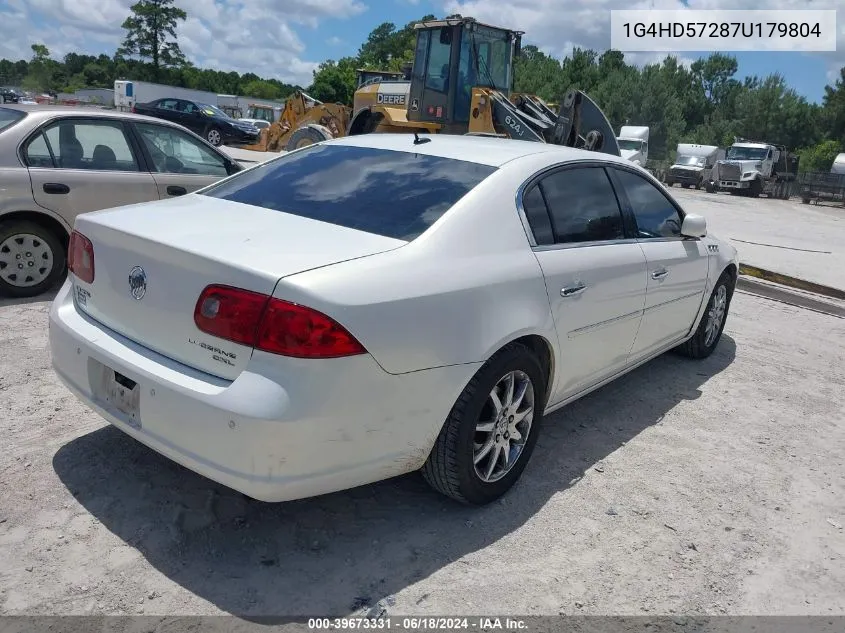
[[452, 56]]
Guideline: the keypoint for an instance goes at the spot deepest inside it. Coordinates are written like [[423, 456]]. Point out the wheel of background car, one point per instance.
[[213, 136], [32, 259], [305, 136], [709, 330], [498, 414]]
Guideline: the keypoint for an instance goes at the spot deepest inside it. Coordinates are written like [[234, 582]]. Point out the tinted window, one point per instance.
[[174, 152], [655, 215], [538, 216], [583, 205], [390, 193]]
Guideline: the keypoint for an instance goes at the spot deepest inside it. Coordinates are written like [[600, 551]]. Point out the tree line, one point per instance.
[[703, 103]]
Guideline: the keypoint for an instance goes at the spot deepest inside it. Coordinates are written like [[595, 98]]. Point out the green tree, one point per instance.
[[334, 81], [833, 114], [261, 90], [819, 157], [151, 34], [41, 70]]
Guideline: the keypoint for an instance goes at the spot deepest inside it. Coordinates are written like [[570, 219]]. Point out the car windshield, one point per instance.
[[9, 117], [631, 145], [694, 161], [391, 193], [747, 153], [212, 110]]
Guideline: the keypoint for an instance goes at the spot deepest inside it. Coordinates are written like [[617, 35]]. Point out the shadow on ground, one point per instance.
[[341, 552], [19, 301]]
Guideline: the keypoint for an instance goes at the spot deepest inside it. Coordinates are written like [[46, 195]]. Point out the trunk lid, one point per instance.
[[183, 245]]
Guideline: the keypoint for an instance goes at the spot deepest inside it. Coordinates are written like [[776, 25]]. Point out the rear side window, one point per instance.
[[583, 206], [9, 117], [389, 193]]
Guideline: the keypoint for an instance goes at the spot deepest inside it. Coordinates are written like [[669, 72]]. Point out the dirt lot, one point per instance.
[[686, 487]]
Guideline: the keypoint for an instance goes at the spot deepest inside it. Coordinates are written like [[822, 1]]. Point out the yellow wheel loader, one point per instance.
[[303, 121], [461, 83]]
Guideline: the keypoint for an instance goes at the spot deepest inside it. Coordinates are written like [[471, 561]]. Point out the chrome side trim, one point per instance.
[[597, 326]]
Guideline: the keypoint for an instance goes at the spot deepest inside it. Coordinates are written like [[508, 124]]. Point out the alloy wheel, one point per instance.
[[503, 427]]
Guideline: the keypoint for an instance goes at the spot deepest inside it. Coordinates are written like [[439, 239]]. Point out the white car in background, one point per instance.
[[370, 306]]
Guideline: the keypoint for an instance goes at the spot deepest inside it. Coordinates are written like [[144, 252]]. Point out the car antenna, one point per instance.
[[420, 141]]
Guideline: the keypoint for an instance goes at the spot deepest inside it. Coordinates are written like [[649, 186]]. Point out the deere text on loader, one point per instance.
[[461, 83]]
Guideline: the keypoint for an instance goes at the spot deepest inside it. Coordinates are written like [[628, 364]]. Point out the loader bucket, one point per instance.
[[582, 124]]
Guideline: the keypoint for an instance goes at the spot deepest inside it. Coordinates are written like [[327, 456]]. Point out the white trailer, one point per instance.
[[129, 92], [633, 143], [693, 165], [838, 165]]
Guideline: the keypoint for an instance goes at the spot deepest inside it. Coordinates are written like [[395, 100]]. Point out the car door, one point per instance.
[[595, 273], [192, 117], [79, 164], [677, 266], [180, 162]]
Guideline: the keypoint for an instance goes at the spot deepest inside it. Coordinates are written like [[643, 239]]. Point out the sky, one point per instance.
[[286, 39]]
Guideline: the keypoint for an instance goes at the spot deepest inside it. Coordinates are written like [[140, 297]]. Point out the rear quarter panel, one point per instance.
[[455, 295]]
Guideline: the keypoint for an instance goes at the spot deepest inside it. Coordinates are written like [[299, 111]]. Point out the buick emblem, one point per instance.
[[137, 283]]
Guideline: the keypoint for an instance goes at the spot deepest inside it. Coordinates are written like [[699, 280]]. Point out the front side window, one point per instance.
[[655, 215], [168, 104], [390, 193], [583, 206], [78, 144], [174, 152]]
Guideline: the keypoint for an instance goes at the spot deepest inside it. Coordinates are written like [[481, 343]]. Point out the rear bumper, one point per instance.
[[284, 429]]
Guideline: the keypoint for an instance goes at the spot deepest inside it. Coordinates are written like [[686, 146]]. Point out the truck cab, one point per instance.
[[693, 165], [633, 143], [747, 166]]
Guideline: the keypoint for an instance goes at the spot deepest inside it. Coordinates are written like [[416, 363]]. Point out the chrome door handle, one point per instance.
[[659, 274], [571, 291]]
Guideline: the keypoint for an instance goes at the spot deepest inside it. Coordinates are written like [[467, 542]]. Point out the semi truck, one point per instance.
[[129, 92], [693, 165], [752, 168], [633, 143]]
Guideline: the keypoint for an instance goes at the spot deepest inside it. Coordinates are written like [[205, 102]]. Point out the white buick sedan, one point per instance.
[[371, 306]]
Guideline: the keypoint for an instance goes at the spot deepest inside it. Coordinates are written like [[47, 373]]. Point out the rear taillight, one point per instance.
[[80, 257], [272, 325]]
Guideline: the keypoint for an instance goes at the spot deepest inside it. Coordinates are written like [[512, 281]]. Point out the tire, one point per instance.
[[669, 183], [214, 136], [705, 340], [303, 137], [684, 185], [46, 261], [450, 468], [756, 188], [698, 185], [709, 187]]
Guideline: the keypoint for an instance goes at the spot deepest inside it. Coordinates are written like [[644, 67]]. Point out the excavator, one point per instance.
[[460, 82]]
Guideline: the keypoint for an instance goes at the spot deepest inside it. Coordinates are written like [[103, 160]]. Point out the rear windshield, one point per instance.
[[390, 193], [9, 117]]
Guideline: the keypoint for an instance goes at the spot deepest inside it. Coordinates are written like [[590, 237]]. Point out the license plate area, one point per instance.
[[118, 393]]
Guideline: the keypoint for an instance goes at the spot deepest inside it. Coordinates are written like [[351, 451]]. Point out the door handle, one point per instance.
[[55, 187], [571, 291], [659, 274], [176, 190]]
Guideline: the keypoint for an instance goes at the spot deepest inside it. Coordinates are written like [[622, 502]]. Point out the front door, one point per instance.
[[677, 266], [180, 163], [78, 165], [595, 276]]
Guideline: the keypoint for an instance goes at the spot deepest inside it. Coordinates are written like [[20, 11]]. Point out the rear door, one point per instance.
[[595, 273], [79, 164], [677, 266], [179, 162]]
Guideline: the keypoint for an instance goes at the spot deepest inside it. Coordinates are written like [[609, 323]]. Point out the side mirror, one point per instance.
[[694, 226]]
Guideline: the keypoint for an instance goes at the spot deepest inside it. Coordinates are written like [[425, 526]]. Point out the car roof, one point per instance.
[[491, 151], [47, 111]]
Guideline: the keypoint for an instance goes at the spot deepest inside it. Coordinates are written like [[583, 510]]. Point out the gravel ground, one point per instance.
[[686, 487]]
